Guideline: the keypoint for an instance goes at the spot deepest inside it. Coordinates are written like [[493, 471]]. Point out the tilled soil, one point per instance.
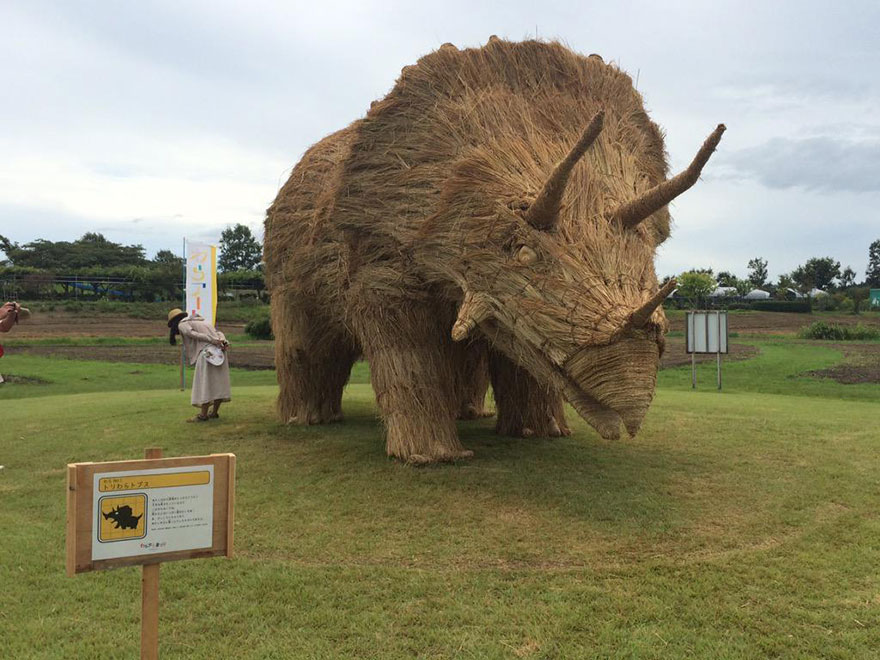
[[861, 364], [242, 357], [781, 323], [674, 355], [65, 324], [262, 355]]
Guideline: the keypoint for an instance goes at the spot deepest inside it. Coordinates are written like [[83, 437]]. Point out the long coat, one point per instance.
[[210, 382]]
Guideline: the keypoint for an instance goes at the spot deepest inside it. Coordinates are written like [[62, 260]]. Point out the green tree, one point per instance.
[[872, 274], [88, 251], [784, 287], [847, 278], [239, 250], [166, 258], [726, 278], [859, 294], [757, 272], [818, 272], [696, 287]]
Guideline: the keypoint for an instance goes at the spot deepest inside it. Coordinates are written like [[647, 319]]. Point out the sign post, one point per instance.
[[145, 512], [150, 597], [706, 332]]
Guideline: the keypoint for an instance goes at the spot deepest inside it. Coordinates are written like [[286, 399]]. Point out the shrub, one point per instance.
[[822, 330], [798, 306], [826, 303], [259, 328], [739, 305]]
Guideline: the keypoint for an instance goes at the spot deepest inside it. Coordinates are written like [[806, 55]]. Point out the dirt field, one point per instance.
[[780, 323], [258, 356], [862, 362], [65, 324], [861, 365]]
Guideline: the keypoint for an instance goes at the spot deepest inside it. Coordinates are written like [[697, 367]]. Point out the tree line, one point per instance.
[[93, 266], [822, 273]]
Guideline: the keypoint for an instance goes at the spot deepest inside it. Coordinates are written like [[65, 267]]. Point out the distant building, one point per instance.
[[815, 293], [723, 292], [757, 294]]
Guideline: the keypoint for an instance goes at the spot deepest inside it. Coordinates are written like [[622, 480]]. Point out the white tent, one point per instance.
[[757, 294], [723, 291]]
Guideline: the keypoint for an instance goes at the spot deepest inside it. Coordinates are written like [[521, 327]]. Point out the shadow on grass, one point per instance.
[[580, 477]]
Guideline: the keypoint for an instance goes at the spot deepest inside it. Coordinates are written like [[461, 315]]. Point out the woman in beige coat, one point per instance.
[[201, 342]]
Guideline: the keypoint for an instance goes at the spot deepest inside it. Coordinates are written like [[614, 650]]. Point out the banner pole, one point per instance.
[[182, 358], [718, 317]]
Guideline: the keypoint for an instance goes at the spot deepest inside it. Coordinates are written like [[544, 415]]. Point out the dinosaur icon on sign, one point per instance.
[[122, 517]]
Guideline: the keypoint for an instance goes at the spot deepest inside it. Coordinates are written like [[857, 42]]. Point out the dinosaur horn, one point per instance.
[[633, 212], [643, 314], [543, 212], [474, 308]]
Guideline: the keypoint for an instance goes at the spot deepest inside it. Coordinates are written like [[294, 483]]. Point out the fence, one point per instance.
[[154, 288]]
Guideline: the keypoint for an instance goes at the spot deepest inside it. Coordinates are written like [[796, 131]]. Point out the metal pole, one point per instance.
[[692, 323], [182, 358], [718, 320]]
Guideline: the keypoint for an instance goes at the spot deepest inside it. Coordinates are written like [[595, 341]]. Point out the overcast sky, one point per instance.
[[150, 121]]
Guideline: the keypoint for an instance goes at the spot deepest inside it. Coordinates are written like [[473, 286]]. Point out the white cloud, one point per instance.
[[186, 116]]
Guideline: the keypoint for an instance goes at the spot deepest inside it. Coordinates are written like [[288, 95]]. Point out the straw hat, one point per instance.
[[173, 314]]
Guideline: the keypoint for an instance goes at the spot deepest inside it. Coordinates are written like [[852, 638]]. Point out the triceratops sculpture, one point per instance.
[[469, 224]]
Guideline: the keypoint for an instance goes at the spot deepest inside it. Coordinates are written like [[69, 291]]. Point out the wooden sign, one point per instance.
[[149, 511]]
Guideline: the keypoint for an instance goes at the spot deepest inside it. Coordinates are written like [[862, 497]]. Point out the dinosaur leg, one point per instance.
[[472, 378], [524, 408], [313, 360], [411, 366]]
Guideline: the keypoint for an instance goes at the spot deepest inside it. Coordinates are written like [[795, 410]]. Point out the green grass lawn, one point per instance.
[[738, 524]]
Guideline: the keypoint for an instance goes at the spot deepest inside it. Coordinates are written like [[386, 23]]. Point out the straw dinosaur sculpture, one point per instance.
[[494, 216]]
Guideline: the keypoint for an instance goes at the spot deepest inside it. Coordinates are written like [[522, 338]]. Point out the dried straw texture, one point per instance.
[[408, 237]]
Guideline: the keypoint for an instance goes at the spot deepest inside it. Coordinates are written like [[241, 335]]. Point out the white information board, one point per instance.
[[706, 332], [144, 512]]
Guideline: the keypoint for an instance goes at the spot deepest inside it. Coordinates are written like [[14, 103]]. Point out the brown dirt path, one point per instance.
[[861, 363], [65, 324]]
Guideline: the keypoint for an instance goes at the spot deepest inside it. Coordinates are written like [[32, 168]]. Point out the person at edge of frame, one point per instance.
[[10, 314]]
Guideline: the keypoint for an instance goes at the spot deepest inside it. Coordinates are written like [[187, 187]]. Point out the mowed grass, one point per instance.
[[740, 524], [779, 368]]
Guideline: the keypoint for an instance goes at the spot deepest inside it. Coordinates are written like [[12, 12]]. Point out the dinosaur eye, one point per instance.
[[525, 255]]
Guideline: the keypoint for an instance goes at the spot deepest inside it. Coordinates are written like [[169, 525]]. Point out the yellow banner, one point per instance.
[[201, 280], [142, 481]]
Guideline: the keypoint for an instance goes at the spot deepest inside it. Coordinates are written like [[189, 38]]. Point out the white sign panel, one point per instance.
[[706, 332], [201, 280], [145, 512]]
